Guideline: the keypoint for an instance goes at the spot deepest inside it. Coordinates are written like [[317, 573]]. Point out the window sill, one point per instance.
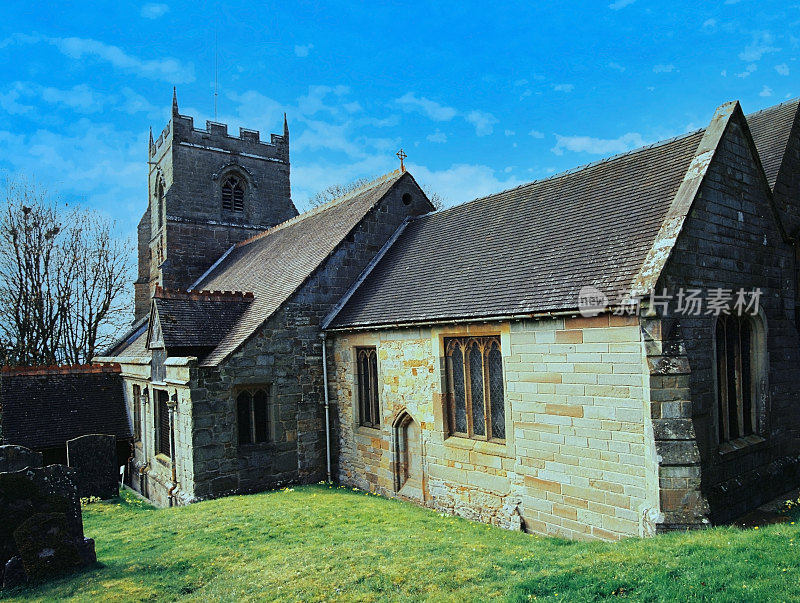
[[163, 459], [740, 445], [368, 431], [253, 446], [486, 447]]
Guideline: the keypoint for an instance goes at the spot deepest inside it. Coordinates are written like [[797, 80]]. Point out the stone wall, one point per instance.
[[285, 354], [578, 460], [731, 240]]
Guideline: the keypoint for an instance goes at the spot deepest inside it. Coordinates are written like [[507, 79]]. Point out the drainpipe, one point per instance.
[[172, 407], [327, 405]]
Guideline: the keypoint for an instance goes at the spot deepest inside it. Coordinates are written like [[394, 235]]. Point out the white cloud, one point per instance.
[[303, 50], [462, 182], [724, 73], [766, 91], [616, 66], [751, 68], [597, 146], [782, 69], [761, 44], [431, 109], [536, 134], [438, 137], [661, 68], [709, 24], [153, 10], [483, 122], [509, 132], [620, 4], [563, 87], [165, 69]]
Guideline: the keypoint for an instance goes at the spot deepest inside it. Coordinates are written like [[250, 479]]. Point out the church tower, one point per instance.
[[207, 191]]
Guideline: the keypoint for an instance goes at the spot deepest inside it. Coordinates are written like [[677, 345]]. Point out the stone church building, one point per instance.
[[450, 358]]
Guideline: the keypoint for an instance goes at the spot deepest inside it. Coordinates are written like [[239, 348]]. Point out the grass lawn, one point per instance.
[[320, 543]]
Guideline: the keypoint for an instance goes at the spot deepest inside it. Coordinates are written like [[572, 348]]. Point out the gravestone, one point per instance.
[[16, 458], [94, 457], [41, 532]]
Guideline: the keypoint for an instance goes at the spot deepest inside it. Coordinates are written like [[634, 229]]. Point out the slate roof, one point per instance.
[[275, 263], [133, 344], [198, 319], [45, 407], [771, 129], [532, 248]]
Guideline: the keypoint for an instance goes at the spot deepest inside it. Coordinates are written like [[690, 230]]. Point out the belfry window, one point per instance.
[[475, 399], [368, 403], [159, 205], [737, 365], [252, 416], [233, 194]]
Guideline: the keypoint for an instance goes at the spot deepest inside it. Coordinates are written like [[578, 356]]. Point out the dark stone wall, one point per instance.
[[787, 184], [731, 240], [286, 354]]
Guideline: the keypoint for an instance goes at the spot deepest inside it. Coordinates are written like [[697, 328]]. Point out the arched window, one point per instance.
[[739, 370], [252, 415], [475, 399], [233, 194], [159, 204], [368, 401]]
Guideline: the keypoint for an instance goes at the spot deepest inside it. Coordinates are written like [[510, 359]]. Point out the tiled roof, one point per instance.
[[770, 129], [133, 343], [532, 248], [45, 407], [273, 264], [198, 319]]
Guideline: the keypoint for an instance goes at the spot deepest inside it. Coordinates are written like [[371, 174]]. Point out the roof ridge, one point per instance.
[[773, 107], [61, 369], [575, 170], [320, 208]]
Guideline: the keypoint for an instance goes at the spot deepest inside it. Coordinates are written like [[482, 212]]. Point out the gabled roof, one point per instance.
[[44, 407], [195, 319], [275, 263], [771, 128], [531, 249]]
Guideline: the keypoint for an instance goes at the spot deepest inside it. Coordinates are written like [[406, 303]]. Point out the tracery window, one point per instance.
[[252, 415], [233, 194], [368, 402], [737, 377], [475, 398]]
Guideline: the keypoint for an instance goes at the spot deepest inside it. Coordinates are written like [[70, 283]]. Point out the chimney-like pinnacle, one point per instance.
[[174, 102], [285, 127]]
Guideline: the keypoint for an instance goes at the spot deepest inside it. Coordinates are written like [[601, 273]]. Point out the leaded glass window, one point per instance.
[[368, 402], [252, 415], [475, 400]]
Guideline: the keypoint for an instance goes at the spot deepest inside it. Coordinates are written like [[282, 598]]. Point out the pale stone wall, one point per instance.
[[578, 460]]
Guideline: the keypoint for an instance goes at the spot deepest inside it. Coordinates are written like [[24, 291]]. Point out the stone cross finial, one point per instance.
[[401, 156]]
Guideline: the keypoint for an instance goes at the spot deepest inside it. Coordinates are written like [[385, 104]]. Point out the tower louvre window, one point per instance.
[[233, 194]]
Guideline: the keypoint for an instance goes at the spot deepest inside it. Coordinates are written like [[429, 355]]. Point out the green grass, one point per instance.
[[320, 543]]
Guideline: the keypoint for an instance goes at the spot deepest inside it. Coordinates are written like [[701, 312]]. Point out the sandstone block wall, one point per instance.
[[578, 459]]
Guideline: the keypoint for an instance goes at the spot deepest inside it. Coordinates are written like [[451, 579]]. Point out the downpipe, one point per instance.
[[327, 404]]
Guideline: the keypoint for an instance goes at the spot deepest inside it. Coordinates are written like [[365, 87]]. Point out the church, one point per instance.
[[527, 359]]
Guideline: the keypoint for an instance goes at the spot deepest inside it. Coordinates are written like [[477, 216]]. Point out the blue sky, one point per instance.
[[480, 98]]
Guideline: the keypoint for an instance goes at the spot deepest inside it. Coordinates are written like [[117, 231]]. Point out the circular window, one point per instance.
[[407, 199]]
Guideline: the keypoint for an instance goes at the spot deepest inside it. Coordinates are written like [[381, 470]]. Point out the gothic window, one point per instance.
[[252, 415], [137, 413], [475, 400], [368, 402], [737, 376], [160, 204], [233, 194], [162, 423]]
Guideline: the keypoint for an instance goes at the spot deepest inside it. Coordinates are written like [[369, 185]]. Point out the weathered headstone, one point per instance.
[[40, 508], [94, 457], [16, 458]]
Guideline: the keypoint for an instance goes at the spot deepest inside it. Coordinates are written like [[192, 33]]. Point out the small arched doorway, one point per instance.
[[408, 457]]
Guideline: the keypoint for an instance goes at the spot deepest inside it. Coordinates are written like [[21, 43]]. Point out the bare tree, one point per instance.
[[62, 280]]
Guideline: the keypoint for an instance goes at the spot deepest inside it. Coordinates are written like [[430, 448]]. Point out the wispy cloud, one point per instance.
[[462, 182], [616, 66], [766, 91], [620, 4], [563, 87], [302, 50], [782, 69], [482, 121], [751, 68], [761, 44], [154, 10], [165, 69], [662, 68], [597, 146], [709, 24], [536, 134], [437, 137]]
